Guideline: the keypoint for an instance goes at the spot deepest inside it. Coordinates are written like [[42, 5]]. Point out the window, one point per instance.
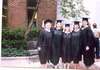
[[31, 7], [4, 13]]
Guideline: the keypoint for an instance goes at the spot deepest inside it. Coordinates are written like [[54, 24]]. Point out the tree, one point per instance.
[[32, 19], [73, 9]]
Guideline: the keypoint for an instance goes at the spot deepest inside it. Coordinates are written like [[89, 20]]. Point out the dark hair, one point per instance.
[[94, 25], [67, 25], [48, 20]]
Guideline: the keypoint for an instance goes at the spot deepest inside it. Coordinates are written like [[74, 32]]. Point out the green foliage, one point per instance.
[[33, 34], [73, 9], [12, 34], [13, 38], [8, 52], [13, 42]]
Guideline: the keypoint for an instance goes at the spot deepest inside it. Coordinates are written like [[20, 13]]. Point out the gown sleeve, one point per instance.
[[91, 37], [40, 40]]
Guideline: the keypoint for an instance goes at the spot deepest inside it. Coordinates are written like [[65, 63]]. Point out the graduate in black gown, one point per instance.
[[56, 43], [75, 44], [87, 43], [44, 43], [66, 46]]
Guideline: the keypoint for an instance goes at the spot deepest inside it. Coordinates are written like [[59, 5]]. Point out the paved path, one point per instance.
[[30, 63]]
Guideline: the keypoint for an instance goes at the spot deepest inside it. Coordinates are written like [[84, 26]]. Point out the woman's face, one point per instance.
[[76, 26], [84, 23], [48, 25], [67, 29], [58, 25]]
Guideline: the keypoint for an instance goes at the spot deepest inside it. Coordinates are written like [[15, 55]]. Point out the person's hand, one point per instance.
[[87, 48], [39, 48], [43, 24]]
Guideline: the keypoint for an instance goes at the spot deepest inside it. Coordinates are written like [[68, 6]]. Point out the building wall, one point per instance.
[[46, 10], [17, 13]]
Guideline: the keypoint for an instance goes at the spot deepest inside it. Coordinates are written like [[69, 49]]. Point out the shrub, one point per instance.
[[13, 38], [33, 34], [8, 52], [12, 34], [13, 42]]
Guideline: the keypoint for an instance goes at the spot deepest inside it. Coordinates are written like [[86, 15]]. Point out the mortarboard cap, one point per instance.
[[76, 22], [84, 19], [67, 25], [59, 21]]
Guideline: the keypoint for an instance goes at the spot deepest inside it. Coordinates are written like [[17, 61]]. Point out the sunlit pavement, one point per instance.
[[32, 62]]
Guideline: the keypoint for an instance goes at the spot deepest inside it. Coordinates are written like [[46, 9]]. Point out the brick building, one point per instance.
[[19, 12], [47, 9]]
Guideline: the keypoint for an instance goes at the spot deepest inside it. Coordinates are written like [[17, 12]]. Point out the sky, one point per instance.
[[94, 7], [90, 5]]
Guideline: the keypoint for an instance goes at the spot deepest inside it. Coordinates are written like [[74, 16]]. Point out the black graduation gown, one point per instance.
[[97, 47], [66, 48], [56, 46], [87, 39], [75, 47], [44, 45]]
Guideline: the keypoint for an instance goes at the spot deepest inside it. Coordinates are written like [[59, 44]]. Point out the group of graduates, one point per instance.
[[58, 41]]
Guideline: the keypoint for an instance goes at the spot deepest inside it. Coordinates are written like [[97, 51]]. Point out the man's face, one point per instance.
[[84, 23], [48, 25]]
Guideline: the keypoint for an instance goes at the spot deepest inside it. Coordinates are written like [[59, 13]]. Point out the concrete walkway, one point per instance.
[[32, 62]]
